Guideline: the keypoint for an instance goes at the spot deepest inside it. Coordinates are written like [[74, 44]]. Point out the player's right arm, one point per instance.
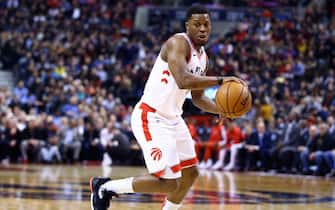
[[175, 52]]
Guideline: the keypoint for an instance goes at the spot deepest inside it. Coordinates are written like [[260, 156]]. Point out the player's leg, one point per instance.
[[189, 175], [141, 184], [161, 158], [163, 164], [187, 155], [103, 189]]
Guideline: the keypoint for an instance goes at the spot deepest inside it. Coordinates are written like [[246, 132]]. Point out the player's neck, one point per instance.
[[195, 46]]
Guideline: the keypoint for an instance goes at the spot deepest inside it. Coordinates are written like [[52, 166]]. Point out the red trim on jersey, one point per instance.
[[145, 126], [199, 54], [158, 174], [189, 163], [207, 64], [190, 56], [176, 168], [167, 39], [190, 44], [145, 109]]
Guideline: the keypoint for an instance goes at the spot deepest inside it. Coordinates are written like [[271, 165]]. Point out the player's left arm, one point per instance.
[[203, 102]]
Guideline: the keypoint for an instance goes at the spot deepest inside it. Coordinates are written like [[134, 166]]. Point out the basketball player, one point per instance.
[[156, 121]]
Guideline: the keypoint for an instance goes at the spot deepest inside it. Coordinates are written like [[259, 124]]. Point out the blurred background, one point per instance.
[[71, 72]]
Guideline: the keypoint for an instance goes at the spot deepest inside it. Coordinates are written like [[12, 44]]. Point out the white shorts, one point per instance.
[[167, 144]]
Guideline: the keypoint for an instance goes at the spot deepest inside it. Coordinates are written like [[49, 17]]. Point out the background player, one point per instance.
[[167, 146]]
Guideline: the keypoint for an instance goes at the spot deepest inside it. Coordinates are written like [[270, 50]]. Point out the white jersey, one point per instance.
[[161, 90]]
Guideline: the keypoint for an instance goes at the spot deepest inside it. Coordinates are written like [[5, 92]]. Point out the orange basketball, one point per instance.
[[233, 99]]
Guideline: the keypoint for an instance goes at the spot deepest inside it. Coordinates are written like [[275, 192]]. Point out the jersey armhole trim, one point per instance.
[[189, 46]]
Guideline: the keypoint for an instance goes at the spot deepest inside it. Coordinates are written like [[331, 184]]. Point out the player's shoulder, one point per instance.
[[176, 44], [177, 40]]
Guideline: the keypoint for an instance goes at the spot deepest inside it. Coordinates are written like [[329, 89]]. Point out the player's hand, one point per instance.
[[236, 79]]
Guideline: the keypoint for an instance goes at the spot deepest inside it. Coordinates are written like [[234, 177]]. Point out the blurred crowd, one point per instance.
[[289, 64], [247, 3], [81, 66], [292, 147]]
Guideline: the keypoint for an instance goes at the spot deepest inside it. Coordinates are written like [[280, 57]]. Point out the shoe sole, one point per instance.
[[91, 187], [92, 208]]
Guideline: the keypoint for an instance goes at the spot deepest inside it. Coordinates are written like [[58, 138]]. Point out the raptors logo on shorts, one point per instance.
[[156, 154]]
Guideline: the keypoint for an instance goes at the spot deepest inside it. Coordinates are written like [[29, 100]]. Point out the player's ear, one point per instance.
[[186, 25]]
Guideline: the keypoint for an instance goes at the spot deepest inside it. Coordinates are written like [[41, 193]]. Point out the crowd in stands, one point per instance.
[[289, 65], [247, 3], [81, 66], [76, 63], [296, 147]]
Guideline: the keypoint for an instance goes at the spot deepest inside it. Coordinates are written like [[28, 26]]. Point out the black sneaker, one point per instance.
[[97, 202]]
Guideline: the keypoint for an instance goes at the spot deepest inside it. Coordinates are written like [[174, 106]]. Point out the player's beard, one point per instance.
[[202, 41]]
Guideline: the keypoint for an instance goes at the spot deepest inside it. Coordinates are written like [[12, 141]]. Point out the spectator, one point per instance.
[[191, 124], [34, 138], [222, 150], [92, 149], [289, 152], [72, 139], [235, 138], [118, 147], [258, 147], [106, 135], [203, 132], [13, 137], [212, 146], [3, 142], [317, 147], [330, 159], [331, 125], [50, 151], [241, 157]]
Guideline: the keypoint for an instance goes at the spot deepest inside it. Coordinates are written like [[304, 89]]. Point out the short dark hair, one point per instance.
[[197, 9]]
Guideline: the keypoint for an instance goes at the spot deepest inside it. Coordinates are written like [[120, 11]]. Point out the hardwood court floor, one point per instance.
[[29, 187]]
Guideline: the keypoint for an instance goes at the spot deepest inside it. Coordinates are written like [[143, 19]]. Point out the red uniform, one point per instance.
[[234, 136], [218, 133]]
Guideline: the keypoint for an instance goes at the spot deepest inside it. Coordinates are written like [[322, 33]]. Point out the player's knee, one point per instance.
[[194, 173], [191, 175], [170, 185]]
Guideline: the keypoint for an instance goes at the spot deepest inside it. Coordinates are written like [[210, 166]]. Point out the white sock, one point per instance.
[[168, 205], [119, 186]]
